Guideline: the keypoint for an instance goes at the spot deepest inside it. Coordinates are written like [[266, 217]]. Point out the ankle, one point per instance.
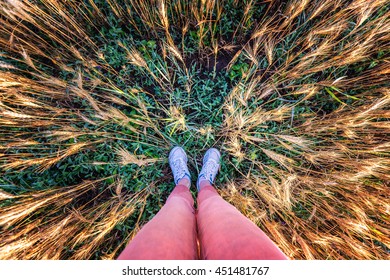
[[204, 183], [184, 182]]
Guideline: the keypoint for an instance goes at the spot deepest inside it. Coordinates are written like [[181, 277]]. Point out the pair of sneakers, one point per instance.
[[178, 163]]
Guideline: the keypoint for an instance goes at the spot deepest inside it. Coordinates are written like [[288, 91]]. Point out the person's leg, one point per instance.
[[171, 234], [223, 232]]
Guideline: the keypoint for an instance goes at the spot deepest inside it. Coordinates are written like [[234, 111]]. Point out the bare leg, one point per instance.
[[171, 234], [224, 233]]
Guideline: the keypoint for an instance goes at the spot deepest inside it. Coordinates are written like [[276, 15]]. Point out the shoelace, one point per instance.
[[178, 167], [210, 169]]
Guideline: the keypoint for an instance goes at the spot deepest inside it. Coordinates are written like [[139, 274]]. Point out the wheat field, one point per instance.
[[94, 94]]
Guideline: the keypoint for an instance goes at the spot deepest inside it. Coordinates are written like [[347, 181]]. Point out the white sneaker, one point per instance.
[[210, 166], [178, 163]]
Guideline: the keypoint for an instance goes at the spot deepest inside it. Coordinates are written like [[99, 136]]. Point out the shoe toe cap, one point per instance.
[[177, 152], [212, 153]]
